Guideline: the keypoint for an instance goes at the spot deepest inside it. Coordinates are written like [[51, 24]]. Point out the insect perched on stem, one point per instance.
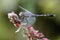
[[25, 23]]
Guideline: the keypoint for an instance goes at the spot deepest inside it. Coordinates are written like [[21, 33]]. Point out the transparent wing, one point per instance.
[[29, 19]]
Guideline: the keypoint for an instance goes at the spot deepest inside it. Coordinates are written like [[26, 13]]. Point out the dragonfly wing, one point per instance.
[[29, 19]]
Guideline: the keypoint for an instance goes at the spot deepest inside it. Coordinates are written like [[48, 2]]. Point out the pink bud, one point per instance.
[[40, 34], [28, 27], [35, 36], [12, 14], [14, 19], [31, 29]]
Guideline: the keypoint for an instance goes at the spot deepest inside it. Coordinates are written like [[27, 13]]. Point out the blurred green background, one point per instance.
[[50, 26]]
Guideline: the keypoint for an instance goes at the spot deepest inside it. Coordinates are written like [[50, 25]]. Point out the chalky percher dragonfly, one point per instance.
[[25, 22]]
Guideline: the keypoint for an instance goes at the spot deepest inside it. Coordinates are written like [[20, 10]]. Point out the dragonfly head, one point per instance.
[[21, 15]]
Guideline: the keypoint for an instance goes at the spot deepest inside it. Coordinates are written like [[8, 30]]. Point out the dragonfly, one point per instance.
[[30, 18], [25, 23]]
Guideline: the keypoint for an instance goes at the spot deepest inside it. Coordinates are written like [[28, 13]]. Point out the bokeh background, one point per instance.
[[49, 26]]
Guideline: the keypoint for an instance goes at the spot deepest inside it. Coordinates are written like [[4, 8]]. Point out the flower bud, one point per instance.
[[14, 19]]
